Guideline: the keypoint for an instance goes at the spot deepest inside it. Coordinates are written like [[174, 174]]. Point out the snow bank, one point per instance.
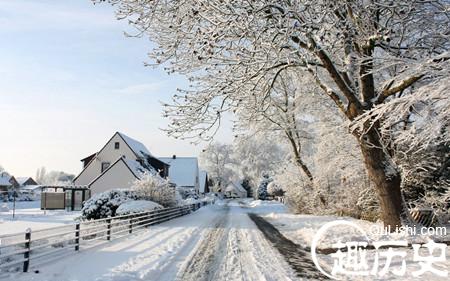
[[137, 206], [263, 206], [190, 201]]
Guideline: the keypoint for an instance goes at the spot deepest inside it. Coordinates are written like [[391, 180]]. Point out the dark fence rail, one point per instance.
[[19, 251]]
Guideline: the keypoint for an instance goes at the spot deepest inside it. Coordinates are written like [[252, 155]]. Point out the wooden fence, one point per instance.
[[19, 251]]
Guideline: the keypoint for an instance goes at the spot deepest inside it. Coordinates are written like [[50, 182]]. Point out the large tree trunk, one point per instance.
[[386, 179]]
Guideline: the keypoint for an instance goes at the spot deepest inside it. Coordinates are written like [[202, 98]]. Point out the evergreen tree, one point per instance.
[[262, 188]]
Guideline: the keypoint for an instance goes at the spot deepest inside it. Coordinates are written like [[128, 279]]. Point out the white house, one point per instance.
[[235, 190], [117, 164], [183, 171]]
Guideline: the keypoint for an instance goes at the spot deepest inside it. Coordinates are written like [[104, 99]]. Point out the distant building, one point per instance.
[[7, 182], [24, 181], [235, 190], [183, 171], [118, 163]]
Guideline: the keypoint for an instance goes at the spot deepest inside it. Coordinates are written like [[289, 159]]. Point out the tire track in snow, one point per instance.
[[298, 258], [163, 260], [234, 249], [204, 263]]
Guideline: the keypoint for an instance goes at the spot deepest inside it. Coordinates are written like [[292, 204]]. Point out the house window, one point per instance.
[[105, 166], [117, 145]]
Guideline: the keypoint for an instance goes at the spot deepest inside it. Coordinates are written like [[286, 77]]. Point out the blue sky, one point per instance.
[[69, 79]]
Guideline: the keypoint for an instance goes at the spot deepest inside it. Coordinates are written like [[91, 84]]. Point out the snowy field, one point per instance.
[[29, 215]]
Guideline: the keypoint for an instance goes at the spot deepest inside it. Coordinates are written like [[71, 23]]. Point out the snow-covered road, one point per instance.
[[218, 242]]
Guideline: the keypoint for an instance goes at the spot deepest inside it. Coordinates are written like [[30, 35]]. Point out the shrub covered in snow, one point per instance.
[[156, 189], [105, 204], [187, 193], [137, 206], [273, 189]]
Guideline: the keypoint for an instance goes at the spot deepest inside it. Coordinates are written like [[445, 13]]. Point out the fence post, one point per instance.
[[26, 255], [77, 236], [108, 232], [131, 226]]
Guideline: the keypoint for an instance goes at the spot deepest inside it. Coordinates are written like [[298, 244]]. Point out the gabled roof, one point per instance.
[[4, 180], [235, 185], [89, 157], [133, 166], [137, 147], [22, 180], [183, 171]]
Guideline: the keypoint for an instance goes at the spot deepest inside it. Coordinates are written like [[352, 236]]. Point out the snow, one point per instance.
[[183, 171], [4, 180], [34, 188], [235, 185], [29, 215], [22, 180], [138, 148], [301, 229], [137, 206], [137, 168], [237, 189], [217, 242]]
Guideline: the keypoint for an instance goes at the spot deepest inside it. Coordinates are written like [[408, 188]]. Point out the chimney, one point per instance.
[[174, 156]]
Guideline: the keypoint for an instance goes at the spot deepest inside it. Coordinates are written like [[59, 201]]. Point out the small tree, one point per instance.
[[156, 189], [274, 189], [262, 188]]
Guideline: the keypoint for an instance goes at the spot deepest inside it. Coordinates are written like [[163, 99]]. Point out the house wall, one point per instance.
[[107, 154], [118, 176]]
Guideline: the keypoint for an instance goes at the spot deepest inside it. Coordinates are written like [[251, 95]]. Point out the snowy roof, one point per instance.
[[31, 187], [183, 171], [137, 168], [22, 180], [235, 185], [202, 176], [137, 147], [4, 180]]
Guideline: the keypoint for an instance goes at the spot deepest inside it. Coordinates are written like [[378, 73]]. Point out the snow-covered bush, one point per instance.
[[187, 193], [137, 206], [156, 189], [273, 189], [105, 204], [191, 200], [262, 188]]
